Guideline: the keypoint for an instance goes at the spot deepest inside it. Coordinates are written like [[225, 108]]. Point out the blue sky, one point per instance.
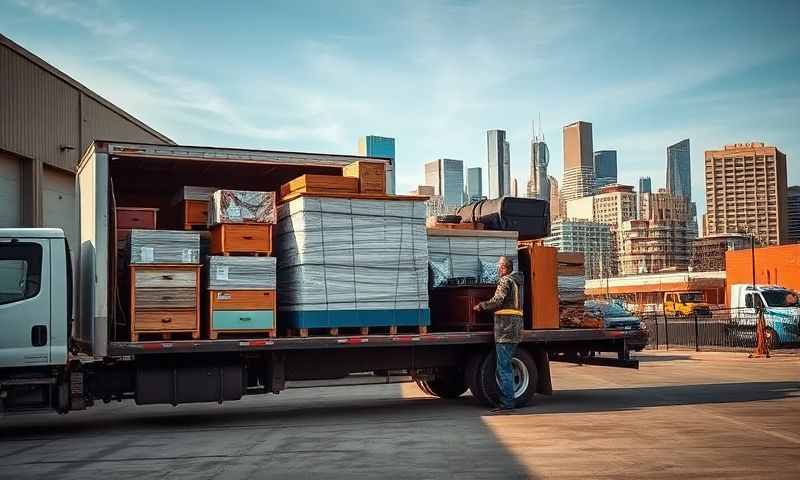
[[313, 76]]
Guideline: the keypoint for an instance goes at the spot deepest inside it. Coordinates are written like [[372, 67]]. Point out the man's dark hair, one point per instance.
[[507, 262]]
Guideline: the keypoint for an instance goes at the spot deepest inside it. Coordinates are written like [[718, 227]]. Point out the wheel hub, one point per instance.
[[522, 377]]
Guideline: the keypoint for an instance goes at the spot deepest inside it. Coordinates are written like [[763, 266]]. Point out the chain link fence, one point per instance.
[[719, 330]]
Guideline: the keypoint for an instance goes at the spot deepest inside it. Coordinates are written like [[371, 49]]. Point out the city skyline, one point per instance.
[[278, 89]]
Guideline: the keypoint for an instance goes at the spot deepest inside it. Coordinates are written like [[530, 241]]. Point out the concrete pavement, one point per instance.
[[683, 414]]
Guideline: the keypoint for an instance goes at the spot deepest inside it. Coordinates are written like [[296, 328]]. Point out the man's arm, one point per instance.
[[499, 297]]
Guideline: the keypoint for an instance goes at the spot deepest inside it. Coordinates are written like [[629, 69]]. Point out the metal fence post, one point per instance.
[[666, 332], [696, 334]]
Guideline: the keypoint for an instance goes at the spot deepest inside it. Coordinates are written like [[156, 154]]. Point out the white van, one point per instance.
[[781, 310]]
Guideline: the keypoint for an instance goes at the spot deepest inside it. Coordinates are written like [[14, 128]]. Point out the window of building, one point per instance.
[[20, 271]]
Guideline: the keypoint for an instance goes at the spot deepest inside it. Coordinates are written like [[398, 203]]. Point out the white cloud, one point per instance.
[[90, 15]]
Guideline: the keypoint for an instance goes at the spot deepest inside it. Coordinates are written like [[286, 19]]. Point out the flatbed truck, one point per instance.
[[59, 349]]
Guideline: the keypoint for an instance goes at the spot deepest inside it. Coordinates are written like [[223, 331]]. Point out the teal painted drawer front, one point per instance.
[[243, 320]]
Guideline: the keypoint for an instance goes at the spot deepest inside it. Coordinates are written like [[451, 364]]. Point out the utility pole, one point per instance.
[[762, 349]]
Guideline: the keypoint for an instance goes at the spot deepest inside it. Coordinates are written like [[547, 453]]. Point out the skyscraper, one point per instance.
[[605, 168], [514, 188], [499, 163], [538, 184], [374, 146], [578, 161], [679, 170], [555, 199], [446, 176], [474, 184], [746, 192], [645, 185]]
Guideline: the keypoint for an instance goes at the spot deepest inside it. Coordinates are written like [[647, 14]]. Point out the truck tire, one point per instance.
[[526, 378], [473, 379], [447, 383]]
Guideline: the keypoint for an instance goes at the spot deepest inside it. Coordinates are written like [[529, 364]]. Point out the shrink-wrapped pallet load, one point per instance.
[[241, 206], [468, 256], [164, 246], [352, 263], [241, 273]]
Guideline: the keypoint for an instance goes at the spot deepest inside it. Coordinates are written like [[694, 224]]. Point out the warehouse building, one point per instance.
[[47, 119]]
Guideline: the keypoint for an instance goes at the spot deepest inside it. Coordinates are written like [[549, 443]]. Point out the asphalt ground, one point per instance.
[[681, 415]]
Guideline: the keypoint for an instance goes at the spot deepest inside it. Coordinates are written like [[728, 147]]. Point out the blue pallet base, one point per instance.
[[355, 318]]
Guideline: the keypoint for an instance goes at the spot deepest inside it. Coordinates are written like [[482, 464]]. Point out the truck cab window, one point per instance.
[[20, 271], [748, 300]]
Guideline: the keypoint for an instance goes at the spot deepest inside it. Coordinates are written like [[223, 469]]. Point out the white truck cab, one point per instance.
[[35, 297]]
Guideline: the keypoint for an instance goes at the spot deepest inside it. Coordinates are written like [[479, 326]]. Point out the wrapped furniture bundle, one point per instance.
[[164, 246], [530, 217], [241, 273], [241, 206], [460, 255], [352, 263]]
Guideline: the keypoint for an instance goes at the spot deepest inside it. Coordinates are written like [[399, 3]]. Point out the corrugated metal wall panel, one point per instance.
[[101, 123], [38, 112]]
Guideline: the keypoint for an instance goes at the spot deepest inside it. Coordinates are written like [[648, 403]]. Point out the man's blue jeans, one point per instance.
[[505, 374]]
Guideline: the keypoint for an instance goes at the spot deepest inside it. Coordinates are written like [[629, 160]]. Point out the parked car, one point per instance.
[[613, 314]]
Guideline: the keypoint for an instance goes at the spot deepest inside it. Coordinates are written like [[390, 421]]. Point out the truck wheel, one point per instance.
[[447, 383], [472, 377], [526, 378]]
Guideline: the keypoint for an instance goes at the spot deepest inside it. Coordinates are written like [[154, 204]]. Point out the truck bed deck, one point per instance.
[[365, 341]]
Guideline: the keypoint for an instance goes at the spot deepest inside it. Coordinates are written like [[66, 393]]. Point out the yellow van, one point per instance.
[[686, 304]]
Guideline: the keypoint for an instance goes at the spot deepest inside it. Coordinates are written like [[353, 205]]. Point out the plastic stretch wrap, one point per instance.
[[351, 254], [241, 273], [241, 206], [164, 246], [465, 254]]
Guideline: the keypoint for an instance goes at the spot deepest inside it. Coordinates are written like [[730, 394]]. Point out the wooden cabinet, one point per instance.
[[195, 214], [452, 309], [320, 184], [129, 218], [252, 238], [371, 176], [164, 300], [539, 265], [241, 312]]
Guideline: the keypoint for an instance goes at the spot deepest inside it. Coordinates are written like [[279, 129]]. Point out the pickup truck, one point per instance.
[[780, 307], [60, 349]]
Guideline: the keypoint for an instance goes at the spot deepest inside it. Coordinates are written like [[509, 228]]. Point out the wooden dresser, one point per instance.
[[238, 312], [451, 309], [165, 300]]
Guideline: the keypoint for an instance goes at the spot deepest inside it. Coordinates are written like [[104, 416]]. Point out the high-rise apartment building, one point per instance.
[[708, 253], [593, 239], [538, 184], [663, 205], [514, 188], [650, 246], [605, 168], [555, 199], [679, 170], [446, 176], [499, 156], [578, 178], [746, 192], [614, 205], [375, 146], [793, 214], [474, 184]]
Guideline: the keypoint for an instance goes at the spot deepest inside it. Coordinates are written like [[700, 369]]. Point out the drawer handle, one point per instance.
[[166, 277], [134, 219], [205, 212], [166, 320], [166, 298], [247, 237], [245, 319]]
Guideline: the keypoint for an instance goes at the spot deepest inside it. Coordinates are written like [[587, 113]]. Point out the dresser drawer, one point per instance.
[[165, 298], [242, 299], [243, 320], [165, 320], [141, 218], [195, 212], [165, 278], [236, 238]]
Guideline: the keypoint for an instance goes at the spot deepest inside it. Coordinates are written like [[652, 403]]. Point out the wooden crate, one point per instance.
[[320, 184], [241, 238], [241, 313], [129, 218], [164, 300], [194, 214], [371, 175]]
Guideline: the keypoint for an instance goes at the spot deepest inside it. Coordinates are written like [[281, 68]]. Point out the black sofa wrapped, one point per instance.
[[530, 217]]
